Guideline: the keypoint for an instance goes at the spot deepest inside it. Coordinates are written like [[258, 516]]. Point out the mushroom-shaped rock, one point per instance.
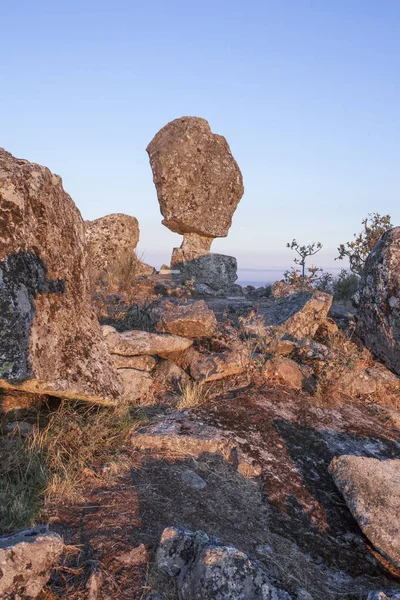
[[50, 339], [198, 182]]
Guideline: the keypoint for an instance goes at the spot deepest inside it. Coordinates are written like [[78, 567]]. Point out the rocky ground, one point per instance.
[[182, 437]]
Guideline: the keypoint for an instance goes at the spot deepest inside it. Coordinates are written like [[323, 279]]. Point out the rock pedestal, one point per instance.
[[199, 186]]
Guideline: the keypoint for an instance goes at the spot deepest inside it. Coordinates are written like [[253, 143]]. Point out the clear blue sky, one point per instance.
[[306, 93]]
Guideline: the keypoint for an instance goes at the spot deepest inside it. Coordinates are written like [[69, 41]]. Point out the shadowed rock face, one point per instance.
[[50, 337], [378, 323], [199, 183], [22, 277]]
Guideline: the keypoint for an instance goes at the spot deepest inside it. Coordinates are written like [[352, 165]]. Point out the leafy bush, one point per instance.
[[345, 285], [357, 251]]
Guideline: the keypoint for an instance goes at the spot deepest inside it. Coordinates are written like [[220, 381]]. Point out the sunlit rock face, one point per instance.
[[198, 182], [50, 340]]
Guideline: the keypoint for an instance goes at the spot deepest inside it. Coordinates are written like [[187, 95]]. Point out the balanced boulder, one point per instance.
[[50, 340], [198, 182]]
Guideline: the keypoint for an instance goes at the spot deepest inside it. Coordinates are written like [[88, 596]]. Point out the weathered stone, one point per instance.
[[371, 489], [50, 340], [141, 362], [191, 479], [135, 342], [284, 370], [359, 381], [138, 386], [193, 320], [204, 568], [386, 595], [219, 365], [112, 262], [198, 182], [217, 271], [168, 374], [298, 315], [136, 556], [378, 317], [26, 558]]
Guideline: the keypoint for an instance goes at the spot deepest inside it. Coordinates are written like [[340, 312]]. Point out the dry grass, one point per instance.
[[67, 445], [192, 393]]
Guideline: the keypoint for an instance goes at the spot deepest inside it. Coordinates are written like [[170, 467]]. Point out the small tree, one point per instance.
[[304, 252], [357, 250]]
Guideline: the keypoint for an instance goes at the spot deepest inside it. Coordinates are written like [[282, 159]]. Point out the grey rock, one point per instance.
[[217, 271], [206, 569], [378, 317], [193, 480], [26, 558]]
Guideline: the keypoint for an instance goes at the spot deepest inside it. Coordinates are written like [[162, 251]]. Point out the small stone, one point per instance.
[[284, 370], [192, 480], [134, 557]]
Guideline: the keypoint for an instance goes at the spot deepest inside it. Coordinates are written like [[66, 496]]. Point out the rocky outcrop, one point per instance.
[[112, 262], [378, 317], [198, 182], [205, 568], [219, 365], [26, 558], [194, 320], [50, 340], [371, 489]]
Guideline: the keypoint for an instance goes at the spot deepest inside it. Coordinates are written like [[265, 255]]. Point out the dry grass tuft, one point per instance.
[[192, 393], [66, 446]]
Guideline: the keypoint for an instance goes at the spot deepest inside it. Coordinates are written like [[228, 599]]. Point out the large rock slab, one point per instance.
[[219, 365], [50, 340], [135, 342], [26, 558], [194, 320], [205, 568], [378, 317], [371, 489], [198, 182]]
